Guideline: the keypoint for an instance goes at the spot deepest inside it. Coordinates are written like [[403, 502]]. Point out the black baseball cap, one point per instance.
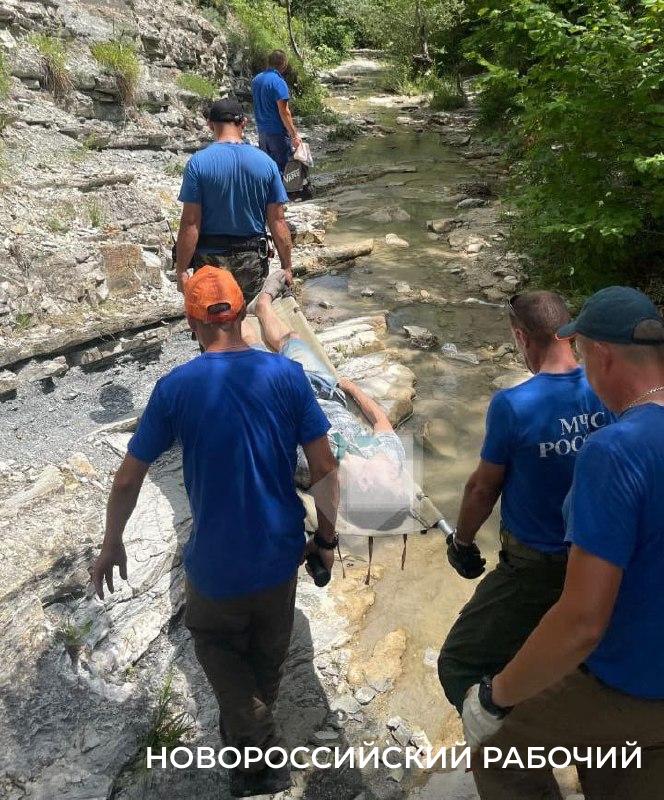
[[619, 315], [227, 109]]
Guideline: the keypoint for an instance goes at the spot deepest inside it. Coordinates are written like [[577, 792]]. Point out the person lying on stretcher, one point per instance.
[[376, 489]]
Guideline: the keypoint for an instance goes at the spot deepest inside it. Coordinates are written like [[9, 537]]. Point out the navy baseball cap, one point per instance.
[[226, 110], [619, 315]]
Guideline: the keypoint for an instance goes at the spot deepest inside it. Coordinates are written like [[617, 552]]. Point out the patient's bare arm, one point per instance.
[[368, 406], [274, 330]]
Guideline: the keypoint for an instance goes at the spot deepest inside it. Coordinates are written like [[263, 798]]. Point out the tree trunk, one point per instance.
[[422, 32], [289, 21]]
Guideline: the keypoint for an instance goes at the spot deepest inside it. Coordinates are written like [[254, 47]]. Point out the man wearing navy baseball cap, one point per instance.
[[591, 675], [618, 315]]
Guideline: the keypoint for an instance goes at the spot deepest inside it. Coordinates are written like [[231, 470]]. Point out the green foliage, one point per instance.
[[498, 100], [57, 224], [264, 28], [330, 31], [412, 32], [4, 75], [53, 52], [309, 98], [96, 213], [73, 636], [345, 132], [198, 84], [399, 79], [579, 88], [331, 37], [214, 12], [576, 92], [120, 60], [93, 142], [168, 728], [174, 168], [23, 320], [62, 220], [447, 94]]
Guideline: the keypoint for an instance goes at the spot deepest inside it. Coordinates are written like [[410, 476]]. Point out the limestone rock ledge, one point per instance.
[[80, 678]]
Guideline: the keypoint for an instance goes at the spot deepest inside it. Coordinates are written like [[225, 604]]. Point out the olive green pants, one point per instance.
[[579, 713], [506, 607], [242, 644]]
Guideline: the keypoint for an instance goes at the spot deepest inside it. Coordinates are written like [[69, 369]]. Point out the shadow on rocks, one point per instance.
[[302, 707], [116, 401]]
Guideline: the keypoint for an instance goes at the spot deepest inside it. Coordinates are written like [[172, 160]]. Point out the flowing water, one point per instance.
[[424, 598]]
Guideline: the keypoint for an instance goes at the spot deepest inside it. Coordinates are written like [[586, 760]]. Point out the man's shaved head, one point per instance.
[[539, 314]]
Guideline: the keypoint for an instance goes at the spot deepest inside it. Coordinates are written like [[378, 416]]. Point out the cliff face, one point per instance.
[[89, 179]]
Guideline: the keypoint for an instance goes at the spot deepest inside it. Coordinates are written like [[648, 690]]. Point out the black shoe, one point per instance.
[[272, 780], [241, 784]]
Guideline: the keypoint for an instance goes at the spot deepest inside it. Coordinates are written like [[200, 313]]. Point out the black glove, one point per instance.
[[466, 559]]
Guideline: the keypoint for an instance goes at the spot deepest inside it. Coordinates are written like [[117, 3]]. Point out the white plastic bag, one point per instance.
[[303, 154]]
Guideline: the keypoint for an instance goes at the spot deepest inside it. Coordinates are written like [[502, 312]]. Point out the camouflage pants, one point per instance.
[[249, 269]]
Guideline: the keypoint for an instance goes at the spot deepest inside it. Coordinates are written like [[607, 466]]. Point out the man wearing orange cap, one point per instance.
[[239, 415]]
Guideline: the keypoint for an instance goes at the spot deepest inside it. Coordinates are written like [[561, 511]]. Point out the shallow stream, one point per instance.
[[452, 396]]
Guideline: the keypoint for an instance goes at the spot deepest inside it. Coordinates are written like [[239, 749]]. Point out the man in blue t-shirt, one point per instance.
[[231, 192], [239, 415], [277, 134], [591, 676], [534, 432]]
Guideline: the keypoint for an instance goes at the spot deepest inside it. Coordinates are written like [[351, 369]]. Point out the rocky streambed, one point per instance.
[[403, 280]]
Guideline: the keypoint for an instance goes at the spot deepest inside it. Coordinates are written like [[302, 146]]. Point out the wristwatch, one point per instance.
[[325, 544], [486, 700]]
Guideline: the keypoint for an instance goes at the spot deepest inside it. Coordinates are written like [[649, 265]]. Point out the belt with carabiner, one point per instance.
[[229, 245]]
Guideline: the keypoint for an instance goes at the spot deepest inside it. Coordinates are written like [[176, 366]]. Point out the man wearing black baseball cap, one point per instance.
[[591, 676], [232, 192]]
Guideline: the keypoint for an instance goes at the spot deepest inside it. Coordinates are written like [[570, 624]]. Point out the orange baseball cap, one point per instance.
[[213, 295]]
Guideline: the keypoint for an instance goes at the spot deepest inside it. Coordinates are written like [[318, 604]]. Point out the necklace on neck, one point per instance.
[[643, 396]]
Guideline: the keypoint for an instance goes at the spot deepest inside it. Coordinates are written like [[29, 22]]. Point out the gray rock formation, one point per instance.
[[81, 679], [90, 179]]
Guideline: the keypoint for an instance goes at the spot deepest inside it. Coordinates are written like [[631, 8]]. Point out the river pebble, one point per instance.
[[450, 350], [395, 241]]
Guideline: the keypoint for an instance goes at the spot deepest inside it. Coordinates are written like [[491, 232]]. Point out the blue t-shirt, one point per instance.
[[268, 87], [616, 512], [233, 182], [239, 417], [535, 431]]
